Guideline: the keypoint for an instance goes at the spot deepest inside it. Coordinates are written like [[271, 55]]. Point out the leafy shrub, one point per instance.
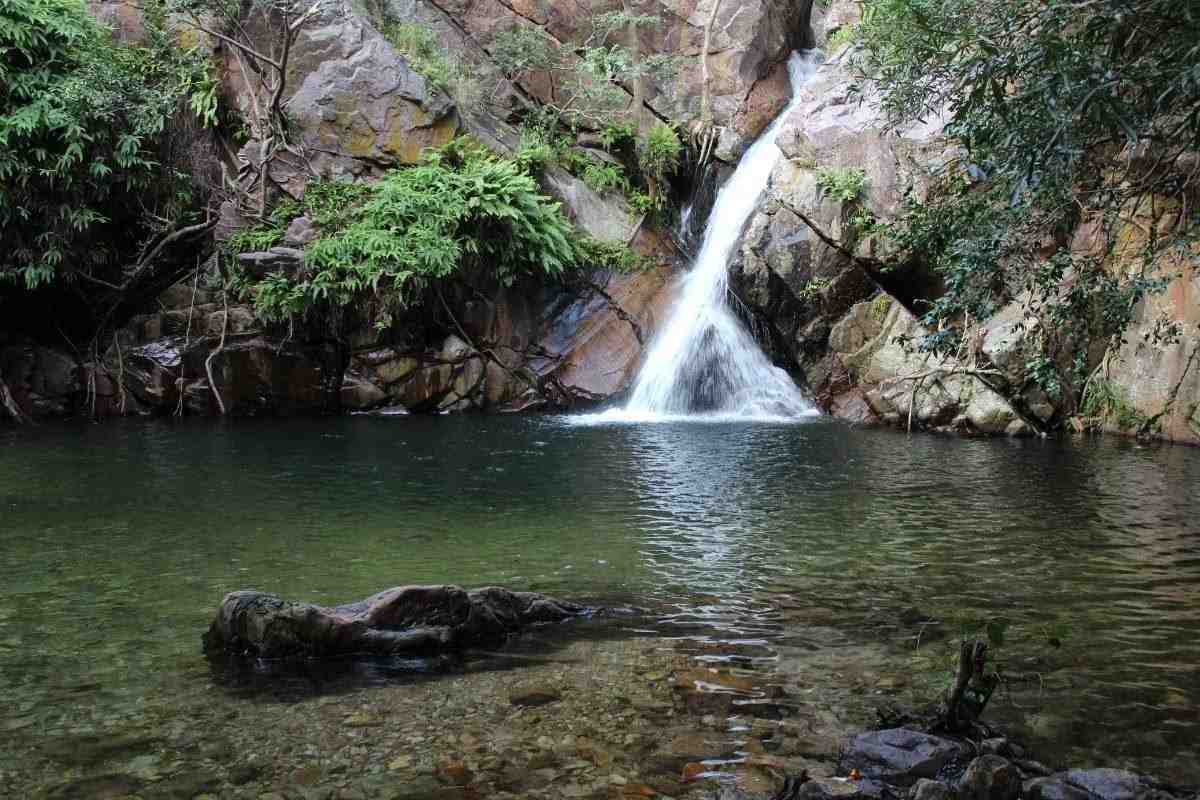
[[1045, 97], [82, 119], [843, 184], [659, 154], [462, 210], [425, 54], [604, 177], [841, 37], [616, 256]]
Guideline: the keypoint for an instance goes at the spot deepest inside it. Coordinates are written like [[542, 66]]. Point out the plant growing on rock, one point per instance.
[[1069, 113], [590, 77], [260, 36], [461, 211], [844, 184]]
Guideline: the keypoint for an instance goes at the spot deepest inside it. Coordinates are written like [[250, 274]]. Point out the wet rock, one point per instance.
[[1107, 784], [926, 789], [273, 260], [89, 749], [534, 695], [991, 777], [98, 787], [406, 619], [300, 232], [898, 755], [1051, 789]]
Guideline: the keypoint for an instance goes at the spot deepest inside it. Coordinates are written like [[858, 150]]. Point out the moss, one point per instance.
[[880, 307]]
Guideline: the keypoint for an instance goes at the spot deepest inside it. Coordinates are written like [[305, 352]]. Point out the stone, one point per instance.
[[359, 394], [532, 695], [358, 106], [241, 320], [277, 259], [1107, 784], [990, 777], [300, 232], [898, 755], [406, 619], [1052, 788], [926, 789]]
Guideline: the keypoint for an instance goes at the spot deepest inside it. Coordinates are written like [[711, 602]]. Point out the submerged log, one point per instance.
[[403, 620]]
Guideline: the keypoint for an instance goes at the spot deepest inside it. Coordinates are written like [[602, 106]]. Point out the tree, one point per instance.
[[1069, 110], [591, 80], [82, 120], [261, 36]]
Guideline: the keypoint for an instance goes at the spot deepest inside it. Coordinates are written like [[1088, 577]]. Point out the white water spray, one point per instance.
[[704, 364]]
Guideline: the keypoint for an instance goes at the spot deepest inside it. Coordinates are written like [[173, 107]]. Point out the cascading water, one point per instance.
[[703, 363]]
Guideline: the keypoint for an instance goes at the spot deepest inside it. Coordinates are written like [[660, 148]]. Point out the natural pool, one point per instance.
[[788, 575]]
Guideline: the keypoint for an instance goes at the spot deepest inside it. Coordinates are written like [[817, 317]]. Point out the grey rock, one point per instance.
[[898, 755], [991, 777], [277, 258], [1052, 789], [1107, 784], [926, 789], [406, 619], [300, 232]]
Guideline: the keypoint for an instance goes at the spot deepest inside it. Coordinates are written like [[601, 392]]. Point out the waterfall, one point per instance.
[[704, 364]]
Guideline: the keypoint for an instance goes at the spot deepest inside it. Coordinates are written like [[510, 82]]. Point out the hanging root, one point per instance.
[[212, 385]]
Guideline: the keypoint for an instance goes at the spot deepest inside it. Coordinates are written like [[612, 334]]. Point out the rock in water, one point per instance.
[[406, 619], [898, 755]]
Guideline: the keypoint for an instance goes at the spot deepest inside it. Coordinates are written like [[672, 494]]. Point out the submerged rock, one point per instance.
[[991, 777], [406, 619], [898, 755]]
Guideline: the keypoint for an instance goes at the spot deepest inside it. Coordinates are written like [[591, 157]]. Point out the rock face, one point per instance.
[[898, 755], [406, 619]]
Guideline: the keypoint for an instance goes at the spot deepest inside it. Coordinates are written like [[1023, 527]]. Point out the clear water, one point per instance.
[[703, 360], [789, 556]]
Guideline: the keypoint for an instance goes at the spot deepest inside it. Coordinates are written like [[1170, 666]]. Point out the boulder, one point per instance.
[[1107, 784], [990, 777], [406, 619], [1052, 788], [898, 755], [926, 789]]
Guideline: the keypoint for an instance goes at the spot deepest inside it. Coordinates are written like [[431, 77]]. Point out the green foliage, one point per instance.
[[616, 256], [604, 177], [617, 134], [1105, 399], [841, 37], [536, 151], [843, 184], [425, 54], [658, 155], [1045, 96], [461, 211], [591, 76], [81, 122]]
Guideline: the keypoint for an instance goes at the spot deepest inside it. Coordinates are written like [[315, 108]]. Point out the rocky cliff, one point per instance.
[[804, 269]]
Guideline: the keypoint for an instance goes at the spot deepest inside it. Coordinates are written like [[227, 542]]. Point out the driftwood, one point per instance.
[[973, 687]]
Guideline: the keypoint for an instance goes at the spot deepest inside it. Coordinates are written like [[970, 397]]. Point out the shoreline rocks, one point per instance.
[[900, 762], [405, 619]]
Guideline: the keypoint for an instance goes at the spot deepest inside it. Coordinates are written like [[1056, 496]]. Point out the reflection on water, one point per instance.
[[772, 549]]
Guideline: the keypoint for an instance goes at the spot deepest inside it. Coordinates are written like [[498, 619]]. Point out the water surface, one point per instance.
[[820, 570]]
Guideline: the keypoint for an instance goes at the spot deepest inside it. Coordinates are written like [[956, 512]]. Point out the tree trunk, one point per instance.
[[635, 49]]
